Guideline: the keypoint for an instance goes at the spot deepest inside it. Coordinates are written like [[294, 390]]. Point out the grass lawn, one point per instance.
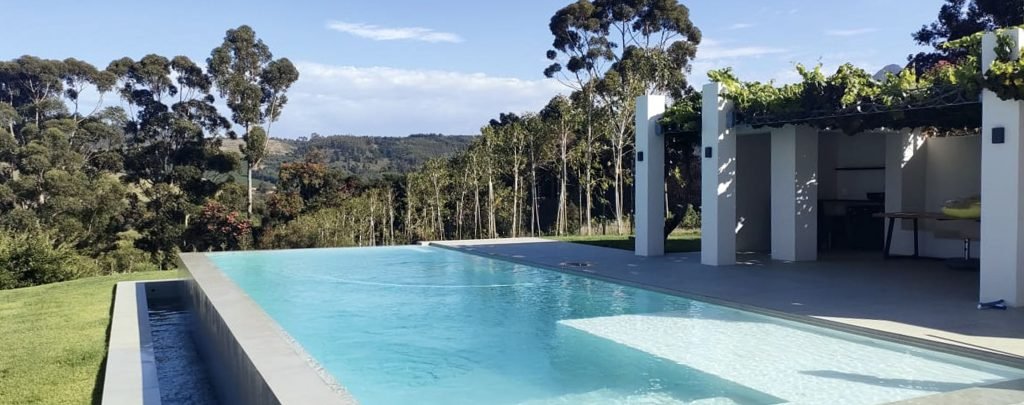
[[678, 241], [53, 339]]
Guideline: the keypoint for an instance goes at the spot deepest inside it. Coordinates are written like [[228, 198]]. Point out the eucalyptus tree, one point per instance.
[[80, 76], [650, 44], [171, 114], [170, 143], [438, 179], [579, 52], [253, 84], [477, 163], [539, 154], [488, 154], [560, 119], [510, 130], [32, 85], [462, 180]]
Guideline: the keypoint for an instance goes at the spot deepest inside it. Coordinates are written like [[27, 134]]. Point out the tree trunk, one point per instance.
[[618, 189], [560, 218], [391, 217], [373, 229], [476, 209], [437, 203], [248, 182], [534, 214], [515, 197], [590, 189], [492, 222]]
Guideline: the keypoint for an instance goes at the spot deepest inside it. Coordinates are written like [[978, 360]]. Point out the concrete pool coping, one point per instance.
[[261, 363], [130, 376]]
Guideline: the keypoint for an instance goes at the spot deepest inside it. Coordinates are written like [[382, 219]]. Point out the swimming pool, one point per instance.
[[398, 325]]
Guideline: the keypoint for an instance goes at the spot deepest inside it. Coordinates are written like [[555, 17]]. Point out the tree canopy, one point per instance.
[[958, 19]]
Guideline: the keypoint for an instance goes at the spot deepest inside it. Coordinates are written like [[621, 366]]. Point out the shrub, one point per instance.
[[219, 228], [125, 257], [28, 259]]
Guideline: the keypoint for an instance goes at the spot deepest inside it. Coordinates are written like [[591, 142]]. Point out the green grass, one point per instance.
[[53, 339], [679, 241]]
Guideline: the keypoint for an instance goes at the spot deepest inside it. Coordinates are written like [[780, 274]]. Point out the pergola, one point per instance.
[[794, 178]]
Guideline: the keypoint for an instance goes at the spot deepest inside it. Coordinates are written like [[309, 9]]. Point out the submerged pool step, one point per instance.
[[610, 397], [792, 362]]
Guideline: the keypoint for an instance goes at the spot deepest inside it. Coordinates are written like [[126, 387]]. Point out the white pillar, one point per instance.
[[1002, 190], [718, 180], [650, 177], [794, 193]]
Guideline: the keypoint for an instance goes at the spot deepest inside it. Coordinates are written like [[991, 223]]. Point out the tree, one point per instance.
[[31, 85], [578, 53], [254, 85], [960, 18], [510, 132], [559, 118], [648, 43]]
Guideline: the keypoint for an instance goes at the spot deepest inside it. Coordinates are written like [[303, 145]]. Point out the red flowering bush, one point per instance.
[[219, 228]]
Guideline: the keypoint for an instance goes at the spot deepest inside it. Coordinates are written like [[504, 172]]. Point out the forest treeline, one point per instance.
[[369, 157], [118, 168]]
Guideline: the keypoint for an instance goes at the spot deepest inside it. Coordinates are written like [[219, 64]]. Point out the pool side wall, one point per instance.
[[130, 376], [251, 360]]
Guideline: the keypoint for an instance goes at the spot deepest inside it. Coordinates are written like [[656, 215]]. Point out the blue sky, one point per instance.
[[399, 67]]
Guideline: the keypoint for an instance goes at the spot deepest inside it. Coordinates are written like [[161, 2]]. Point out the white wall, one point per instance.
[[861, 150], [753, 193], [922, 177], [953, 170]]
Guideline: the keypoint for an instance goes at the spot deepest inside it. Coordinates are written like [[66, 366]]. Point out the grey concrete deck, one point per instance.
[[917, 300]]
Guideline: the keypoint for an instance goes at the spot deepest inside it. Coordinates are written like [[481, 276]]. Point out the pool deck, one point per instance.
[[919, 299]]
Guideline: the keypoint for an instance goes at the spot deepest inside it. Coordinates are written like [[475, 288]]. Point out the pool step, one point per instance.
[[787, 361], [612, 397]]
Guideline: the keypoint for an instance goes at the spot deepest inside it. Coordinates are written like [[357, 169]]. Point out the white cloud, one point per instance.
[[331, 99], [711, 49], [850, 32], [378, 33], [738, 52], [740, 26], [714, 54]]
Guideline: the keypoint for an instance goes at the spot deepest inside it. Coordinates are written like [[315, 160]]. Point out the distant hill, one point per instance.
[[364, 156]]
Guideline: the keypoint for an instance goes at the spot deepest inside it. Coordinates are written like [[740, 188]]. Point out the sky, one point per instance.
[[396, 67]]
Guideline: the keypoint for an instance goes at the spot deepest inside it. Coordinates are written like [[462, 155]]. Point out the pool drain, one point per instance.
[[575, 264]]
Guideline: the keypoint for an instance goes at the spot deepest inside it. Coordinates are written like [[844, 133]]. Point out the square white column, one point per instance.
[[795, 193], [650, 177], [718, 180], [1002, 189]]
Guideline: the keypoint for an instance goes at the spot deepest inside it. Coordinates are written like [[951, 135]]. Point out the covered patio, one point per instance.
[[768, 183]]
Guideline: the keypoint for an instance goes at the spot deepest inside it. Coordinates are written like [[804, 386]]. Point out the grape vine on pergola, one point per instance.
[[947, 97]]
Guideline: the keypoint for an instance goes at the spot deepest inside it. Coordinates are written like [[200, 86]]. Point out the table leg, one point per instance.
[[915, 237], [888, 237]]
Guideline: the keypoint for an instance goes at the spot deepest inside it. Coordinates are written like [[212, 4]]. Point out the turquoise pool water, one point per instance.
[[422, 325]]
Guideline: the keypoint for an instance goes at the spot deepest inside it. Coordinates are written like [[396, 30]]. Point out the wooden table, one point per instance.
[[916, 216]]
